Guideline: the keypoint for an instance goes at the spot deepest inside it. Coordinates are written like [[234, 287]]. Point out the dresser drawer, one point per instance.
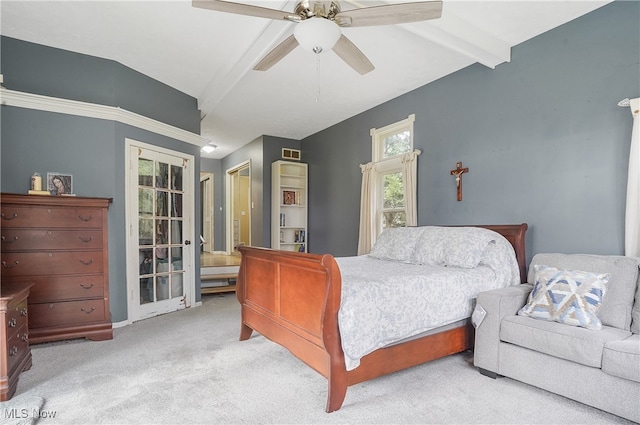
[[43, 239], [26, 216], [65, 288], [66, 313], [50, 263], [17, 348], [16, 317]]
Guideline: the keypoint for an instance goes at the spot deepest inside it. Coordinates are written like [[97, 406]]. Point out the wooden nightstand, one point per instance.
[[14, 336]]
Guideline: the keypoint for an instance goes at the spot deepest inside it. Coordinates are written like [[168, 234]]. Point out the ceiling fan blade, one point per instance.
[[278, 52], [390, 14], [348, 52], [243, 9]]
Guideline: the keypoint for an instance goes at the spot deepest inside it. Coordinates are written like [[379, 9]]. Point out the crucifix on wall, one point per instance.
[[458, 173]]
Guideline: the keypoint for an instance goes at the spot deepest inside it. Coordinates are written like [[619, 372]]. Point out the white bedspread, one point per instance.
[[386, 301]]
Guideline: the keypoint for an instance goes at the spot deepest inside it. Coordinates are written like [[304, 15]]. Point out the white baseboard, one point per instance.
[[122, 324]]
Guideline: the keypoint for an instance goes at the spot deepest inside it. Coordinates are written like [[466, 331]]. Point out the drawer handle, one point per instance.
[[83, 218], [13, 322], [88, 312], [85, 240], [87, 285], [13, 216], [25, 337], [13, 351], [23, 312], [10, 266], [5, 240], [86, 263]]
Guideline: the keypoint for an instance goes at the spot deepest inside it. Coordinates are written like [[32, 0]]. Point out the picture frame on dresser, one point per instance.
[[60, 183]]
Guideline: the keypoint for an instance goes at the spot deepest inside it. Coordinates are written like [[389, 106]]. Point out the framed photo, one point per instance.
[[60, 183], [289, 197]]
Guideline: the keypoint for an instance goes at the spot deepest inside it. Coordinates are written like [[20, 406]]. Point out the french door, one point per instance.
[[160, 217]]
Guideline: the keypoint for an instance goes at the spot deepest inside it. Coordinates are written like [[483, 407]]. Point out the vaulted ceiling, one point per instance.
[[210, 55]]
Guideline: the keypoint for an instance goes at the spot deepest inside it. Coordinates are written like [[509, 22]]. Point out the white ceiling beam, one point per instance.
[[455, 33], [449, 31], [224, 82]]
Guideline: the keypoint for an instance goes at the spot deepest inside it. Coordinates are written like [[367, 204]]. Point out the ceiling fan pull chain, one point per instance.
[[318, 77]]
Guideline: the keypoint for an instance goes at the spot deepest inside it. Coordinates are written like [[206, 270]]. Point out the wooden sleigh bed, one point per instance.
[[293, 299]]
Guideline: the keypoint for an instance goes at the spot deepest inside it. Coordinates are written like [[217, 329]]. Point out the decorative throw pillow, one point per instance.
[[396, 243], [572, 297]]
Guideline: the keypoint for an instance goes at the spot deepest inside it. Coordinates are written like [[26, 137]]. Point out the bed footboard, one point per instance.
[[293, 299]]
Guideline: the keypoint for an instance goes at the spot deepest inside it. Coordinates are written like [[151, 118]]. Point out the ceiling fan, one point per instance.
[[319, 22]]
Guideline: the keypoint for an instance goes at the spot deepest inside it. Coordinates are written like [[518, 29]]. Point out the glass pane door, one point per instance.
[[160, 233]]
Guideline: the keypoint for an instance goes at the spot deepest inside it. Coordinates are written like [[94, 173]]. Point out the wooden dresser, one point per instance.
[[14, 336], [60, 244]]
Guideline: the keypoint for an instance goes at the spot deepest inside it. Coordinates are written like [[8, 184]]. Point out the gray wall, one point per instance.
[[34, 68], [543, 137], [214, 166], [92, 150], [272, 151], [261, 152], [250, 152]]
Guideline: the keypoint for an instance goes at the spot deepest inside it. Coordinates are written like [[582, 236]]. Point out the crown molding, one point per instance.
[[92, 110]]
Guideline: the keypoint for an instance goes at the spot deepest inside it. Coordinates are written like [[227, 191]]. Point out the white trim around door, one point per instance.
[[171, 278], [229, 204]]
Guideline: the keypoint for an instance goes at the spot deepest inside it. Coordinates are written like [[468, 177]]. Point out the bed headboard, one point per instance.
[[514, 233]]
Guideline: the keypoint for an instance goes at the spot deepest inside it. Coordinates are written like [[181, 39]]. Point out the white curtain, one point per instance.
[[632, 216], [409, 177], [367, 207]]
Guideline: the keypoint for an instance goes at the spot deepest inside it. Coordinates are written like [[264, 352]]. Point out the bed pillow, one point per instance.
[[429, 248], [396, 244], [453, 246], [500, 256], [571, 297], [465, 246]]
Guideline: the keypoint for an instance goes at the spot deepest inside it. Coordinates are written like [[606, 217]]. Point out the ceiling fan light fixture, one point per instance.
[[317, 34]]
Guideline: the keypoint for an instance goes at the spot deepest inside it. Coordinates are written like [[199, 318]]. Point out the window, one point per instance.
[[392, 140], [392, 211], [389, 183], [390, 143]]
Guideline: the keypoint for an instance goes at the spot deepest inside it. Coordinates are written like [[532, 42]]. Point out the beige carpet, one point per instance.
[[22, 409], [188, 367]]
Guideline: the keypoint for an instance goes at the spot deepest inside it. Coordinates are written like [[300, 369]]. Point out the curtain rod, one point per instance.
[[416, 151], [624, 102]]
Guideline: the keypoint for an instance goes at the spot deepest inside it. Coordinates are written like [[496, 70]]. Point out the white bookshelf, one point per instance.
[[289, 206]]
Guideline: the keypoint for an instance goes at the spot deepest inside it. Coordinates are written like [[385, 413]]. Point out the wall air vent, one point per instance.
[[288, 153]]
